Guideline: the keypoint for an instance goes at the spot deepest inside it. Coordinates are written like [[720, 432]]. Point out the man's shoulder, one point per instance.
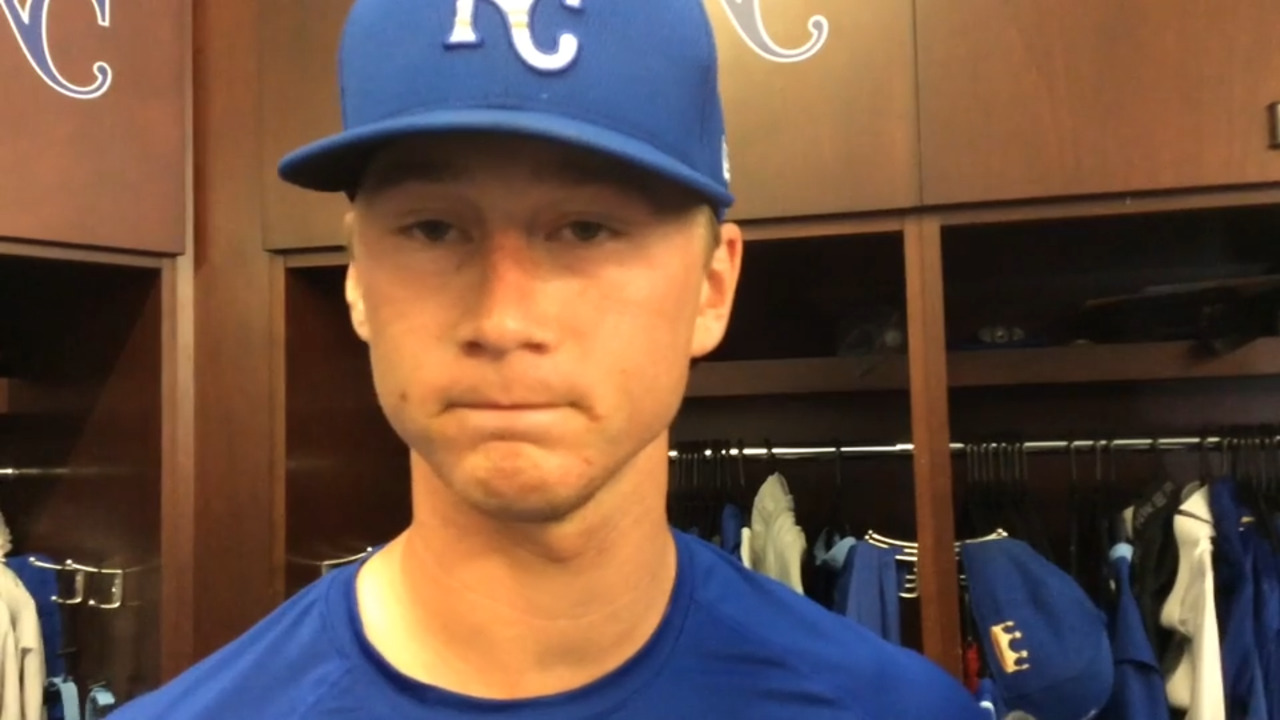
[[772, 626], [276, 669]]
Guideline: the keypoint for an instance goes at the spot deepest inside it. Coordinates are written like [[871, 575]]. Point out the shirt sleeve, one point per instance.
[[10, 669]]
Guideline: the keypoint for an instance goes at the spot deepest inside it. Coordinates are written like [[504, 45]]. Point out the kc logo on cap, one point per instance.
[[517, 13]]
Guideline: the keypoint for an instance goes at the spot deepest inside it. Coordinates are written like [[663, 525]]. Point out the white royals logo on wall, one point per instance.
[[745, 15], [30, 23], [749, 23]]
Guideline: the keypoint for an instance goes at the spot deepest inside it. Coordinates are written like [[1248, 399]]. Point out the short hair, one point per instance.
[[711, 219]]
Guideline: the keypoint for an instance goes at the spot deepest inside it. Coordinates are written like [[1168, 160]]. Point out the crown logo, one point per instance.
[[1002, 639]]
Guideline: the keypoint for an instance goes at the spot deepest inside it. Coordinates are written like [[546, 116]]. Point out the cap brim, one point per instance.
[[336, 163]]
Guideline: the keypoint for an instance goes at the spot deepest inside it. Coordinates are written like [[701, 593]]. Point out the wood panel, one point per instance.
[[798, 376], [1025, 99], [177, 498], [95, 107], [299, 96], [931, 434], [83, 445], [795, 300], [871, 418], [1108, 205], [1075, 364], [346, 470], [1121, 362], [178, 492], [819, 99], [1129, 409], [236, 517]]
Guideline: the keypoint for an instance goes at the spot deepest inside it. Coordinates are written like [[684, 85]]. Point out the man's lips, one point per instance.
[[507, 405]]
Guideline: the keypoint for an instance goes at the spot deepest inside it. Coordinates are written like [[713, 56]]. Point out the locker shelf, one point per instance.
[[1131, 362], [799, 375], [1128, 362]]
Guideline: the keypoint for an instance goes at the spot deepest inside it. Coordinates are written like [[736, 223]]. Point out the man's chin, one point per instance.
[[529, 507]]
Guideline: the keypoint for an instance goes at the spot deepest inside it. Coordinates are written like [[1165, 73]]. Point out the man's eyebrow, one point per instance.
[[580, 169], [395, 172], [592, 171]]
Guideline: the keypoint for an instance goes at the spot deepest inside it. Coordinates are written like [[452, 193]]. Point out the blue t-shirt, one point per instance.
[[733, 645]]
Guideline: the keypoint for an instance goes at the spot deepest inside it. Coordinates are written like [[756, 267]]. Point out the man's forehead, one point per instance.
[[459, 157]]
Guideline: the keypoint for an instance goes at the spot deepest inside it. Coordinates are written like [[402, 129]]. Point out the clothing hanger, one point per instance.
[[1203, 453], [1273, 462], [697, 498], [673, 492], [965, 522], [1032, 519], [912, 547], [742, 470], [1094, 522], [1073, 501], [684, 479], [982, 505], [989, 470], [908, 552], [1115, 505], [1107, 515], [996, 479], [1253, 497], [1015, 514]]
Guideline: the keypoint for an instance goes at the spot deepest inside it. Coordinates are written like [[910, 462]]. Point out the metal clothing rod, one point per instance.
[[799, 451], [12, 473], [79, 571], [1036, 446]]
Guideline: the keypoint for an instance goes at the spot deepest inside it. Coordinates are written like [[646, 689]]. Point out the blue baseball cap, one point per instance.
[[1045, 641], [633, 80]]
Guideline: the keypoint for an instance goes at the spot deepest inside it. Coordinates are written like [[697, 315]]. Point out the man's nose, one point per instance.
[[508, 310]]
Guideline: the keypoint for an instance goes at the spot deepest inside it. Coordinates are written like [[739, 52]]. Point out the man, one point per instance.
[[537, 254]]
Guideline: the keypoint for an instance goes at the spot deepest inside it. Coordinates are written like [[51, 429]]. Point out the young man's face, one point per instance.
[[531, 312]]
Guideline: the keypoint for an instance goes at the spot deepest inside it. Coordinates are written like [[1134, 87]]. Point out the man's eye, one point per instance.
[[431, 230], [585, 231]]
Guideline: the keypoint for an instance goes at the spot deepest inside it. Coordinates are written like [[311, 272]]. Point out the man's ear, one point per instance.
[[719, 284], [355, 303], [354, 289], [349, 231]]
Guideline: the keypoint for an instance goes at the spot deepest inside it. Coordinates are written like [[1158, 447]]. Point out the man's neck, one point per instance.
[[492, 610]]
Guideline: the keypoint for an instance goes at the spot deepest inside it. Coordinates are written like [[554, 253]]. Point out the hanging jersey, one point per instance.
[[10, 669], [777, 542], [873, 591], [1155, 557], [1137, 692], [1244, 686], [1194, 683], [28, 642], [731, 529], [989, 700], [42, 584], [1266, 575], [733, 644]]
